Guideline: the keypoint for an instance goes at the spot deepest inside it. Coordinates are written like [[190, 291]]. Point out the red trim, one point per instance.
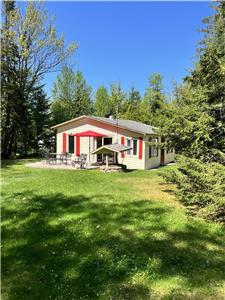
[[122, 142], [64, 142], [77, 146], [140, 147], [89, 133]]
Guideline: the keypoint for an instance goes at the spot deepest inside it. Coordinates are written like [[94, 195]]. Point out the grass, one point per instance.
[[89, 235]]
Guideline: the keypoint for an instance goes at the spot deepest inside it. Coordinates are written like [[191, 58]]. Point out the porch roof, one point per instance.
[[111, 148]]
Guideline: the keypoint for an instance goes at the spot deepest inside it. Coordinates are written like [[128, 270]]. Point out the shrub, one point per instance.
[[201, 187]]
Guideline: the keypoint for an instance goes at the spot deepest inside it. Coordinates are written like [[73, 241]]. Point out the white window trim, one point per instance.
[[156, 149], [132, 146]]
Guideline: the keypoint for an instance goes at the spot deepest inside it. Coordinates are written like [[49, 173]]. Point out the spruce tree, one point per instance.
[[102, 102], [71, 96]]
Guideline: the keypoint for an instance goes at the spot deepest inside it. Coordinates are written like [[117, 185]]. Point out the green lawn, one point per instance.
[[88, 235]]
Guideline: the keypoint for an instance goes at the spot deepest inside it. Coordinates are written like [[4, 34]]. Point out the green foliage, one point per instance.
[[132, 106], [71, 96], [117, 99], [154, 108], [102, 104], [40, 119], [30, 49], [201, 187], [197, 125], [154, 98]]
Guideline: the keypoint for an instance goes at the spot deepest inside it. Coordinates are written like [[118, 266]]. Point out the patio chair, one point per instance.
[[80, 161], [46, 157]]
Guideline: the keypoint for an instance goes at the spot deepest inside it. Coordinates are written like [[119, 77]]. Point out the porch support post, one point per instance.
[[107, 161]]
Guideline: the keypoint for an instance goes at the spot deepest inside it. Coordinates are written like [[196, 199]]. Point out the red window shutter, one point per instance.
[[122, 142], [77, 145], [64, 142], [140, 147]]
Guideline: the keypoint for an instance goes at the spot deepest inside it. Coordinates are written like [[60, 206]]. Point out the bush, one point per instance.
[[201, 187]]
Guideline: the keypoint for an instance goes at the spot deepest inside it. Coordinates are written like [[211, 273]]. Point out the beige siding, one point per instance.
[[169, 157], [132, 162], [152, 162]]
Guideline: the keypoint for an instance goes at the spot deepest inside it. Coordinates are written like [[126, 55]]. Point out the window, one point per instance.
[[153, 151], [133, 144], [169, 150], [128, 145], [71, 144], [134, 147]]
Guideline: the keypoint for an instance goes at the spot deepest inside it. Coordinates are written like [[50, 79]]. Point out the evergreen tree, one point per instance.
[[132, 106], [117, 99], [82, 104], [102, 102], [71, 96], [154, 98], [154, 109], [40, 118], [63, 96], [197, 127]]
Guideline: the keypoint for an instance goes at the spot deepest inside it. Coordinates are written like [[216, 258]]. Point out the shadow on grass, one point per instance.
[[58, 247], [7, 163]]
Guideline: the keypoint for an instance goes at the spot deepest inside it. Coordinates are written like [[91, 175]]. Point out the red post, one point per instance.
[[140, 147], [77, 146], [64, 142], [122, 142]]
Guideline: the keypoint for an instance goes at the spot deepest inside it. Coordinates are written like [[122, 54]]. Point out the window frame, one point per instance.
[[153, 151], [128, 140], [136, 140], [131, 142]]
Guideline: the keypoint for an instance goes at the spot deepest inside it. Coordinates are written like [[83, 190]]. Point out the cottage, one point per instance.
[[85, 134]]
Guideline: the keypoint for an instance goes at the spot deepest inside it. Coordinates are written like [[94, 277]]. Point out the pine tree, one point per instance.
[[118, 99], [197, 126], [82, 104], [102, 102], [154, 98], [40, 118], [132, 105], [71, 96]]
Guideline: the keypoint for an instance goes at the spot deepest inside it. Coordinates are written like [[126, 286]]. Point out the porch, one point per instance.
[[86, 143]]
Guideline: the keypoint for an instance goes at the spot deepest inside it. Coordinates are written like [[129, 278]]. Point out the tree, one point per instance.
[[30, 49], [154, 109], [102, 102], [83, 104], [71, 96], [154, 98], [117, 98], [63, 96], [197, 126], [40, 118], [132, 105]]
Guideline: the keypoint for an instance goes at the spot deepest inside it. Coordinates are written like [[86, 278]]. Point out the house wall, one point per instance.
[[152, 162], [169, 157], [131, 161]]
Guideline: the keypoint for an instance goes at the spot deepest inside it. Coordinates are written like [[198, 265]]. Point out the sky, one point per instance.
[[128, 41]]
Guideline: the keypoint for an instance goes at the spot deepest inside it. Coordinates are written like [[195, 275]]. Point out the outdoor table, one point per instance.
[[60, 156]]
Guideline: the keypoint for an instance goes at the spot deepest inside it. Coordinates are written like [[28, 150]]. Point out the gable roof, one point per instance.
[[125, 124]]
